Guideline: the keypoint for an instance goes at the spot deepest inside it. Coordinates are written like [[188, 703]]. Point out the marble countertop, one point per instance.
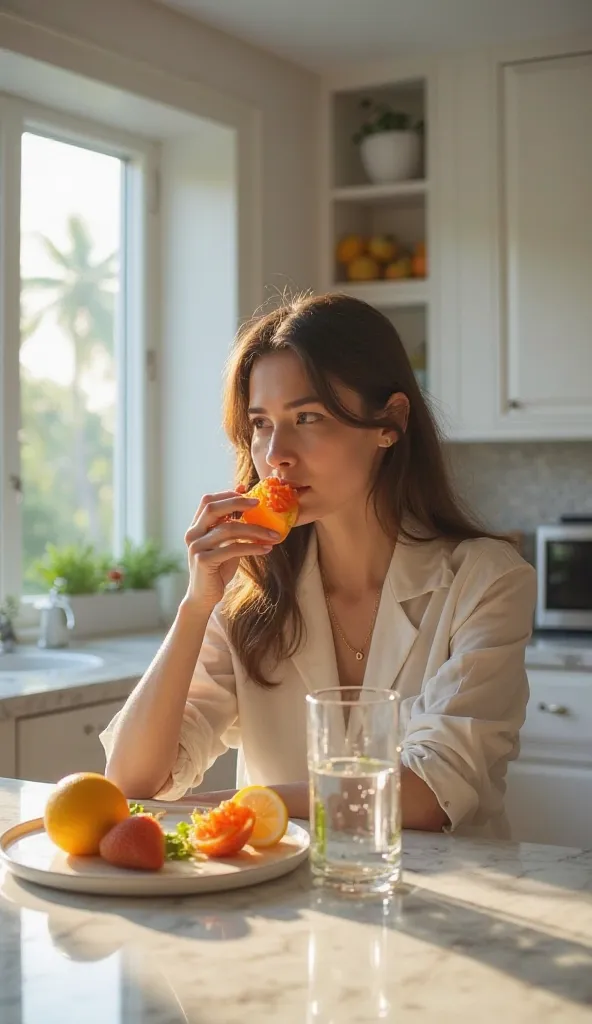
[[481, 931], [561, 651], [125, 659]]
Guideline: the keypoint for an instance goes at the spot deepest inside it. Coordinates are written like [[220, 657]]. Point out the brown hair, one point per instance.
[[338, 339]]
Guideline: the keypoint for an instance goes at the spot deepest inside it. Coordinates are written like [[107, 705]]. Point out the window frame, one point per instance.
[[137, 469]]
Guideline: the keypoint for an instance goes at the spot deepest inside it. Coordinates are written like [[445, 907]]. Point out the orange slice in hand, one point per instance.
[[271, 815], [277, 508]]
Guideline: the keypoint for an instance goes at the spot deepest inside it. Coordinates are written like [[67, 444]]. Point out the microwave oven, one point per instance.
[[564, 577]]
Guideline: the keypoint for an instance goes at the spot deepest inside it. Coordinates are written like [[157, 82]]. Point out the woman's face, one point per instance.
[[295, 438]]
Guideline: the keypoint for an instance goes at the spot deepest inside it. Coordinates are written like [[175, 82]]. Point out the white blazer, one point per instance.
[[450, 634]]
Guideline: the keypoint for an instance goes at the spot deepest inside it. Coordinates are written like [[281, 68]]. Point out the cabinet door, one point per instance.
[[53, 745], [558, 724], [550, 804], [546, 230], [8, 748]]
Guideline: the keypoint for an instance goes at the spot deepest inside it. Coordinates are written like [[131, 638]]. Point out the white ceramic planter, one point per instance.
[[391, 156], [171, 590], [124, 611]]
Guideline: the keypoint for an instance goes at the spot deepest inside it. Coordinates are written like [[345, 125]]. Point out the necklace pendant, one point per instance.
[[359, 656]]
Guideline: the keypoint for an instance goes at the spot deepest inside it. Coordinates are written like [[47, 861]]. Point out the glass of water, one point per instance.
[[355, 788]]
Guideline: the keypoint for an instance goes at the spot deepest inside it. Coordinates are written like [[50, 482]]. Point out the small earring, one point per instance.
[[386, 443]]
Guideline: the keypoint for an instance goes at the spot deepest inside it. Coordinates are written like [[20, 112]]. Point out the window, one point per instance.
[[70, 286], [75, 234]]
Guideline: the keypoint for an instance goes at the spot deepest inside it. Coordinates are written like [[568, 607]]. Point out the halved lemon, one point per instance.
[[271, 815]]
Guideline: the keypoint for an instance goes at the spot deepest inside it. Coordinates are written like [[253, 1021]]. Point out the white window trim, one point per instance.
[[137, 514]]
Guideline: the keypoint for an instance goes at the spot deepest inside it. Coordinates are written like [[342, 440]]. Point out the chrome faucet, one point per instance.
[[57, 618], [7, 633]]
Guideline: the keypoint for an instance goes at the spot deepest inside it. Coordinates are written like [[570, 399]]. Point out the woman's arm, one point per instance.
[[419, 804], [463, 728], [420, 807], [147, 732], [143, 741]]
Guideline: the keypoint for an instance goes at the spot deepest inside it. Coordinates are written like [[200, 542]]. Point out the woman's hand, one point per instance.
[[216, 543]]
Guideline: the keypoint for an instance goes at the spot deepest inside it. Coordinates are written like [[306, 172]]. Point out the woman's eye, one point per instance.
[[257, 424], [308, 417]]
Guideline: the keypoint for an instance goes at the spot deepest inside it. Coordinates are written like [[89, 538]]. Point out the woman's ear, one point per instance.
[[397, 408]]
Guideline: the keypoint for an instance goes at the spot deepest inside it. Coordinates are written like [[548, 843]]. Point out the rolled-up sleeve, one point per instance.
[[463, 728], [210, 722]]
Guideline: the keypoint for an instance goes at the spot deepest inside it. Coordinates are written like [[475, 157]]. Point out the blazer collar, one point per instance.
[[419, 567], [416, 568]]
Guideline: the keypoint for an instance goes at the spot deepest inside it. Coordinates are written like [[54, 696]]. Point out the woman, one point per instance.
[[385, 581]]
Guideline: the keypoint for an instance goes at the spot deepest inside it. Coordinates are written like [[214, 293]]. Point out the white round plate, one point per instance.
[[28, 852]]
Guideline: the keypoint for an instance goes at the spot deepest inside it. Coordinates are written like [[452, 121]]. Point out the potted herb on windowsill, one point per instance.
[[107, 596], [390, 143]]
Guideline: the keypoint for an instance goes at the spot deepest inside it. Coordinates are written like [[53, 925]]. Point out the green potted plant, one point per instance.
[[146, 567], [143, 564], [390, 143], [107, 595], [78, 566]]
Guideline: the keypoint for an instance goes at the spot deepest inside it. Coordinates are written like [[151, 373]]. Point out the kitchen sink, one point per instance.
[[35, 660]]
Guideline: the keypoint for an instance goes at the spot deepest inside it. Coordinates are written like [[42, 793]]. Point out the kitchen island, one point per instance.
[[481, 931]]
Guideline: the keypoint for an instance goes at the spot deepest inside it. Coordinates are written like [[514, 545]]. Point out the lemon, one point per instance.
[[271, 815]]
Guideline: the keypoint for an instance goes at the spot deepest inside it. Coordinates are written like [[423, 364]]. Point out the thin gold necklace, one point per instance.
[[359, 652]]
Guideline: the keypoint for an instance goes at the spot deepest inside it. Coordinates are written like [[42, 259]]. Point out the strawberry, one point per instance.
[[137, 842]]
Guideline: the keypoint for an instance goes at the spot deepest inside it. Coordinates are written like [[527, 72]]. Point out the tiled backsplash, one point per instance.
[[518, 486]]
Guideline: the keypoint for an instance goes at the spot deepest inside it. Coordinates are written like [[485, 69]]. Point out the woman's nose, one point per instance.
[[279, 453]]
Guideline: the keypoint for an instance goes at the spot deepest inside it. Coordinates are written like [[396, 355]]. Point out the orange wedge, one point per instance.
[[271, 815]]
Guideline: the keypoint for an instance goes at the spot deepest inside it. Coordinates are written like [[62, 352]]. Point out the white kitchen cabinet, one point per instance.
[[7, 748], [55, 744], [515, 218], [546, 212], [549, 795], [506, 312], [353, 205], [558, 724], [550, 803]]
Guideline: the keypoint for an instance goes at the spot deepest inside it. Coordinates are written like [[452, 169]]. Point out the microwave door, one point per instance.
[[565, 583]]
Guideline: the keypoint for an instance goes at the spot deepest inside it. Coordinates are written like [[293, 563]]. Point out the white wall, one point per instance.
[[287, 97], [199, 235], [270, 108]]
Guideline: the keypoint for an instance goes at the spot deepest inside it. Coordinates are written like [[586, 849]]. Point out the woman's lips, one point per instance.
[[299, 488]]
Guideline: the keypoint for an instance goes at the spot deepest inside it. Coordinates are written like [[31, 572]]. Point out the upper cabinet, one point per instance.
[[546, 212], [522, 204], [502, 202]]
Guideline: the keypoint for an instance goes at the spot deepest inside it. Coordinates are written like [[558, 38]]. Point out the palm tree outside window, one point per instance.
[[70, 257]]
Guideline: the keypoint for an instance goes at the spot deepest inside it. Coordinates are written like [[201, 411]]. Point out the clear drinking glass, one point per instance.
[[355, 788]]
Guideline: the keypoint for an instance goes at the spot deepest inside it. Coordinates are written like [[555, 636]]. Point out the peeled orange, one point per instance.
[[81, 810], [277, 508], [271, 815], [222, 831]]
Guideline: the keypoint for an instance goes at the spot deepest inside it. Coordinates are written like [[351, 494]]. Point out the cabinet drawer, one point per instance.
[[53, 745], [548, 803], [559, 716]]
